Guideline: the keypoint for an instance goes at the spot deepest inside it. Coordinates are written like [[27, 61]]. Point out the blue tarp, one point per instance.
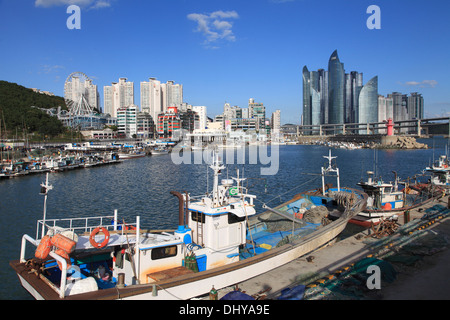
[[296, 293], [237, 295]]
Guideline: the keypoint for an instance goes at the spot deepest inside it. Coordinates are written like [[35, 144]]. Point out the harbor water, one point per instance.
[[141, 187]]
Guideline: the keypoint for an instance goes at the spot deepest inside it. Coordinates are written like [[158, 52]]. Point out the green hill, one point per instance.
[[17, 115]]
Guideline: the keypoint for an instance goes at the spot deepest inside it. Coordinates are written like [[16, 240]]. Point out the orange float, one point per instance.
[[43, 248], [64, 243]]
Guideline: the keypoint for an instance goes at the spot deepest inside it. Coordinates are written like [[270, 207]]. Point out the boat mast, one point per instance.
[[216, 167], [329, 169], [44, 191]]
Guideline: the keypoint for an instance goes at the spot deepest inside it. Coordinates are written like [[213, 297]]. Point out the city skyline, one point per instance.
[[228, 51]]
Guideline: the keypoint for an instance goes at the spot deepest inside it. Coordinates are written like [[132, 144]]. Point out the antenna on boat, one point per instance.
[[45, 188]]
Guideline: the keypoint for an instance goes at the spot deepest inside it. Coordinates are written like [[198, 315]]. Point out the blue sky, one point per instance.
[[229, 51]]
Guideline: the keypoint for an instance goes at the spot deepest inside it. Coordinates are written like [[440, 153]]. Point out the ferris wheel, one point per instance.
[[76, 94]]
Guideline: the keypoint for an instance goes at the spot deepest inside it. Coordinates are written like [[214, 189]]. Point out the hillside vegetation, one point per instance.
[[17, 115]]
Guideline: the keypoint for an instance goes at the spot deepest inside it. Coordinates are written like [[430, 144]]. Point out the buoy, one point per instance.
[[43, 248]]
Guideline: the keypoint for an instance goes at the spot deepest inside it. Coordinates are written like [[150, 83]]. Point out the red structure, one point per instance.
[[390, 127]]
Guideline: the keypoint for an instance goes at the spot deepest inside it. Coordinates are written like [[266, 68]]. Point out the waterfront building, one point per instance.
[[415, 106], [168, 122], [145, 125], [336, 78], [172, 94], [276, 120], [368, 102], [400, 102], [258, 111], [334, 97], [127, 121], [353, 86], [202, 117], [385, 108], [118, 95]]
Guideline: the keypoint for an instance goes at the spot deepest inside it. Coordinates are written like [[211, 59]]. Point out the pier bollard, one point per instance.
[[406, 217]]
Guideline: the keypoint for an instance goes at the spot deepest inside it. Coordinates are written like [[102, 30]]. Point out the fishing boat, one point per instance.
[[440, 172], [159, 150], [220, 241], [132, 154], [387, 200]]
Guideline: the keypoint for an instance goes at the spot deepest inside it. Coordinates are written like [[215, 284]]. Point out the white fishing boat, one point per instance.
[[160, 150], [220, 241], [131, 154], [440, 172], [387, 200]]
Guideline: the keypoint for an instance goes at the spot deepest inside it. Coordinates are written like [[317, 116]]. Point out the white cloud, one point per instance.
[[215, 26], [91, 4], [422, 84]]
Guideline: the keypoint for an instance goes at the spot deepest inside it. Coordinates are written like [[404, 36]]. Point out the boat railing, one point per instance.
[[82, 225]]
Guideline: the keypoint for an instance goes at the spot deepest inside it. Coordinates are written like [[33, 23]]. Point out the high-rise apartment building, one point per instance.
[[152, 97], [172, 94], [202, 117], [157, 97], [118, 95]]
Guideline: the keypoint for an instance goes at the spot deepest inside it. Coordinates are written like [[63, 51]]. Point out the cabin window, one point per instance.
[[164, 252], [198, 216], [232, 218]]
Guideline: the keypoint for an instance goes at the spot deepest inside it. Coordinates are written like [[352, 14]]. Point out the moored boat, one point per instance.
[[220, 241], [386, 200]]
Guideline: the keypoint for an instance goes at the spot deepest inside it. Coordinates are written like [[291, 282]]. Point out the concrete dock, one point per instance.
[[426, 279]]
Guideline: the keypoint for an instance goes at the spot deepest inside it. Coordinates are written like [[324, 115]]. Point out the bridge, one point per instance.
[[417, 127]]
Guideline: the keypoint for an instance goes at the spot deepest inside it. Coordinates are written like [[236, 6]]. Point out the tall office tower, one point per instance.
[[353, 85], [152, 98], [313, 83], [323, 89], [306, 120], [368, 102], [385, 108], [74, 89], [399, 108], [415, 106], [172, 94], [118, 95], [336, 79], [202, 117]]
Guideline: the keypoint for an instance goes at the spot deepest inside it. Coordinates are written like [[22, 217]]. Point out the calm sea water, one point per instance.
[[141, 187]]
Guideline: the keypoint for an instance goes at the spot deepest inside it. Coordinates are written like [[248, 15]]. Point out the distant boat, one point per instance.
[[159, 151], [132, 154]]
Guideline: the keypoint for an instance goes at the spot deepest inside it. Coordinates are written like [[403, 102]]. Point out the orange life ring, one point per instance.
[[43, 248], [130, 227], [94, 232]]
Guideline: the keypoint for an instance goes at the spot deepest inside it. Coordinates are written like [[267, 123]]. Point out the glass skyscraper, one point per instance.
[[334, 97], [336, 79], [368, 102]]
